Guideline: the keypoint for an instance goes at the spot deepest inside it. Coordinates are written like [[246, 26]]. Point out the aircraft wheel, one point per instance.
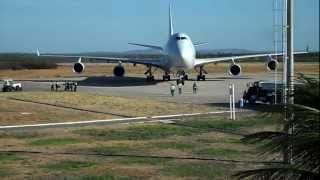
[[150, 78]]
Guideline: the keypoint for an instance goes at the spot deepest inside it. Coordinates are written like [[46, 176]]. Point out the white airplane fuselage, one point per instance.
[[180, 53]]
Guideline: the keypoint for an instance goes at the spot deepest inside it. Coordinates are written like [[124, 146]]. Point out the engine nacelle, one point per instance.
[[272, 64], [78, 67], [119, 71], [235, 69]]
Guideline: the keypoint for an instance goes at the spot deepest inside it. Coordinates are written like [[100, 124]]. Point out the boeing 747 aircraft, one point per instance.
[[178, 57]]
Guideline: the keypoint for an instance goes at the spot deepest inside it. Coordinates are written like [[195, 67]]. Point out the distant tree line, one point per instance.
[[26, 61]]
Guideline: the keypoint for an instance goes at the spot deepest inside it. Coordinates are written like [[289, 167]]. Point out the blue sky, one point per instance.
[[108, 25]]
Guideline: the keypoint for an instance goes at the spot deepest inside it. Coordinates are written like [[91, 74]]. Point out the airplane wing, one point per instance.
[[205, 61], [153, 62]]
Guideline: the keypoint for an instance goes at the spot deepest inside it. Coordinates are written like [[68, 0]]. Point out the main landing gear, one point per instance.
[[149, 74], [166, 77], [201, 75]]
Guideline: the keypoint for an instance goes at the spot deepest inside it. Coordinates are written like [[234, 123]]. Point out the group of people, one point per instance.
[[180, 86], [68, 86]]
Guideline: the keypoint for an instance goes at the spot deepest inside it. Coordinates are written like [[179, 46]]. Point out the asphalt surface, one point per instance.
[[212, 91]]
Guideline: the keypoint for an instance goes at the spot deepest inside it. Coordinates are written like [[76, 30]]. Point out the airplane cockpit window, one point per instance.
[[181, 38]]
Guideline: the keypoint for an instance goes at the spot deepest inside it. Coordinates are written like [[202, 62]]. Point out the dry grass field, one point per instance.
[[99, 70], [141, 151], [15, 112]]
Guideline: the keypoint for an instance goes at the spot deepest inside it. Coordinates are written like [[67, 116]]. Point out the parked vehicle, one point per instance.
[[9, 85], [263, 91]]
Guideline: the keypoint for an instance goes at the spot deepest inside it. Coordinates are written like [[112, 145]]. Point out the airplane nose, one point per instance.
[[185, 55]]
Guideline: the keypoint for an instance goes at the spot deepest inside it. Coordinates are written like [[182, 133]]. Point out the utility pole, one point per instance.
[[290, 53], [288, 76], [284, 51]]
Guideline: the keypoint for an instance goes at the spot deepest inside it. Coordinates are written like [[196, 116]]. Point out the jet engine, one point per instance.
[[119, 70], [78, 67], [272, 64], [234, 69]]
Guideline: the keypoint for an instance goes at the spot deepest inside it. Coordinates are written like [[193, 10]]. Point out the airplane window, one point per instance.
[[181, 38]]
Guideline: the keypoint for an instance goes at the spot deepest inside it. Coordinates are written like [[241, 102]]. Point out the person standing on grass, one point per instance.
[[172, 89]]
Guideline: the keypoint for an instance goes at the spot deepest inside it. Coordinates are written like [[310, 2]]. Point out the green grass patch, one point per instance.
[[196, 171], [221, 140], [146, 161], [218, 152], [5, 157], [112, 150], [104, 177], [173, 145], [54, 141], [140, 132], [21, 135], [4, 173], [68, 166], [248, 122]]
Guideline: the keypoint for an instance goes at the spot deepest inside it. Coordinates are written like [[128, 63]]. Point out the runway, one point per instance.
[[212, 91]]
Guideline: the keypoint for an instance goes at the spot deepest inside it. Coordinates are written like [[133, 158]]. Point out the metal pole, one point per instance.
[[276, 41], [290, 75], [233, 103], [284, 49], [290, 63], [230, 100]]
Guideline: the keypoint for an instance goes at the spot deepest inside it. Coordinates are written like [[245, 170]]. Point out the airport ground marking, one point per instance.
[[154, 118]]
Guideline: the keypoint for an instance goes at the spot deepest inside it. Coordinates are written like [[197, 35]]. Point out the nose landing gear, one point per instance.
[[166, 76], [182, 76]]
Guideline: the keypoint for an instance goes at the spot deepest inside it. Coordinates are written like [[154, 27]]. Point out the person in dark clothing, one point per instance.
[[75, 85], [52, 87], [57, 86]]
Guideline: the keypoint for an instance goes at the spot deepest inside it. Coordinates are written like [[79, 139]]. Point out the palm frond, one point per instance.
[[277, 173]]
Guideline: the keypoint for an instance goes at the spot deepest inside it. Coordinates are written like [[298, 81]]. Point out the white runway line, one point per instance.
[[105, 121]]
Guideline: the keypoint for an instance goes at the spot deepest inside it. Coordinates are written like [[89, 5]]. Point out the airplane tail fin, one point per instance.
[[38, 52], [170, 20]]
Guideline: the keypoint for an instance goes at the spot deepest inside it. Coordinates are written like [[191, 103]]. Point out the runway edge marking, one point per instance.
[[107, 120]]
